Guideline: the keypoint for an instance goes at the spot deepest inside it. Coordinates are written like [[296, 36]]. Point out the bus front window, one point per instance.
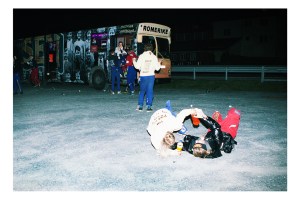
[[163, 48]]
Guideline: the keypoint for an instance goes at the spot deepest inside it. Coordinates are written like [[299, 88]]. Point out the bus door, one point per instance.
[[161, 49]]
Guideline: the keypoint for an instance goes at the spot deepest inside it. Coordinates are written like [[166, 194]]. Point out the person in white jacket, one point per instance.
[[120, 51], [163, 123], [147, 64]]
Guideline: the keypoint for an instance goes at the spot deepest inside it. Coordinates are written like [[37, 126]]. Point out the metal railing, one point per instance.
[[242, 69]]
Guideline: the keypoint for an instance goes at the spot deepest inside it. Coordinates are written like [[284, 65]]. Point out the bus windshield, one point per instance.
[[163, 48]]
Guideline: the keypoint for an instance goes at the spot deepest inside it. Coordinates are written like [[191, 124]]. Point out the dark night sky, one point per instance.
[[33, 22]]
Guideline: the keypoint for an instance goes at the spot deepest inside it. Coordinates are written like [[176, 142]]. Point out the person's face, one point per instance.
[[201, 144], [66, 56], [169, 138], [88, 35], [197, 145], [69, 36], [112, 31], [79, 34], [120, 44]]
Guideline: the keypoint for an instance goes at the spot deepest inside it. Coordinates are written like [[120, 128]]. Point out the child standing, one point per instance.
[[131, 72], [34, 75]]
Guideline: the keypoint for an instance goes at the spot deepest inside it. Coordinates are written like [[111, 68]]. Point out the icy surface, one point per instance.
[[75, 138]]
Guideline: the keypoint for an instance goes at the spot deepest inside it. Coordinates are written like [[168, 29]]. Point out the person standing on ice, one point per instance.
[[34, 74], [131, 71], [16, 78], [163, 124], [147, 64], [114, 67], [120, 51]]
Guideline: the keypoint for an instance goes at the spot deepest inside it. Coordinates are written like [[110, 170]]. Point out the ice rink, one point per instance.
[[76, 138]]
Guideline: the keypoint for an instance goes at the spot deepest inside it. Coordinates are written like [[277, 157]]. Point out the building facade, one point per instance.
[[252, 40]]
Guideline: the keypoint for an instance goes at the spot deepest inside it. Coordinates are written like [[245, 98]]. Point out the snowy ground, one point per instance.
[[70, 140]]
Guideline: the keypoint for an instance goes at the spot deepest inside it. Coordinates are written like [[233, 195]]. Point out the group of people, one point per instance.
[[220, 136], [147, 63], [17, 74], [120, 61], [164, 122]]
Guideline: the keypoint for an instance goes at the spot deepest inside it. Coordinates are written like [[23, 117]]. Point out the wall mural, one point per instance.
[[70, 56], [85, 49]]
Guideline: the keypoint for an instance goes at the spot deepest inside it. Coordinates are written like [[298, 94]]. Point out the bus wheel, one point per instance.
[[98, 79]]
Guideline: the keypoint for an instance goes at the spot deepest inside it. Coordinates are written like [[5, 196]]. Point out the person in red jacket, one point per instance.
[[131, 71], [229, 128], [34, 75]]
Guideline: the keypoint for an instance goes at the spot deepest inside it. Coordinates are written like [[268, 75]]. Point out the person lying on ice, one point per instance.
[[229, 126], [163, 123], [218, 138]]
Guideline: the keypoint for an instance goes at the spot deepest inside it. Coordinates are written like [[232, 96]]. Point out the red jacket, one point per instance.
[[129, 58], [231, 123], [34, 76]]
